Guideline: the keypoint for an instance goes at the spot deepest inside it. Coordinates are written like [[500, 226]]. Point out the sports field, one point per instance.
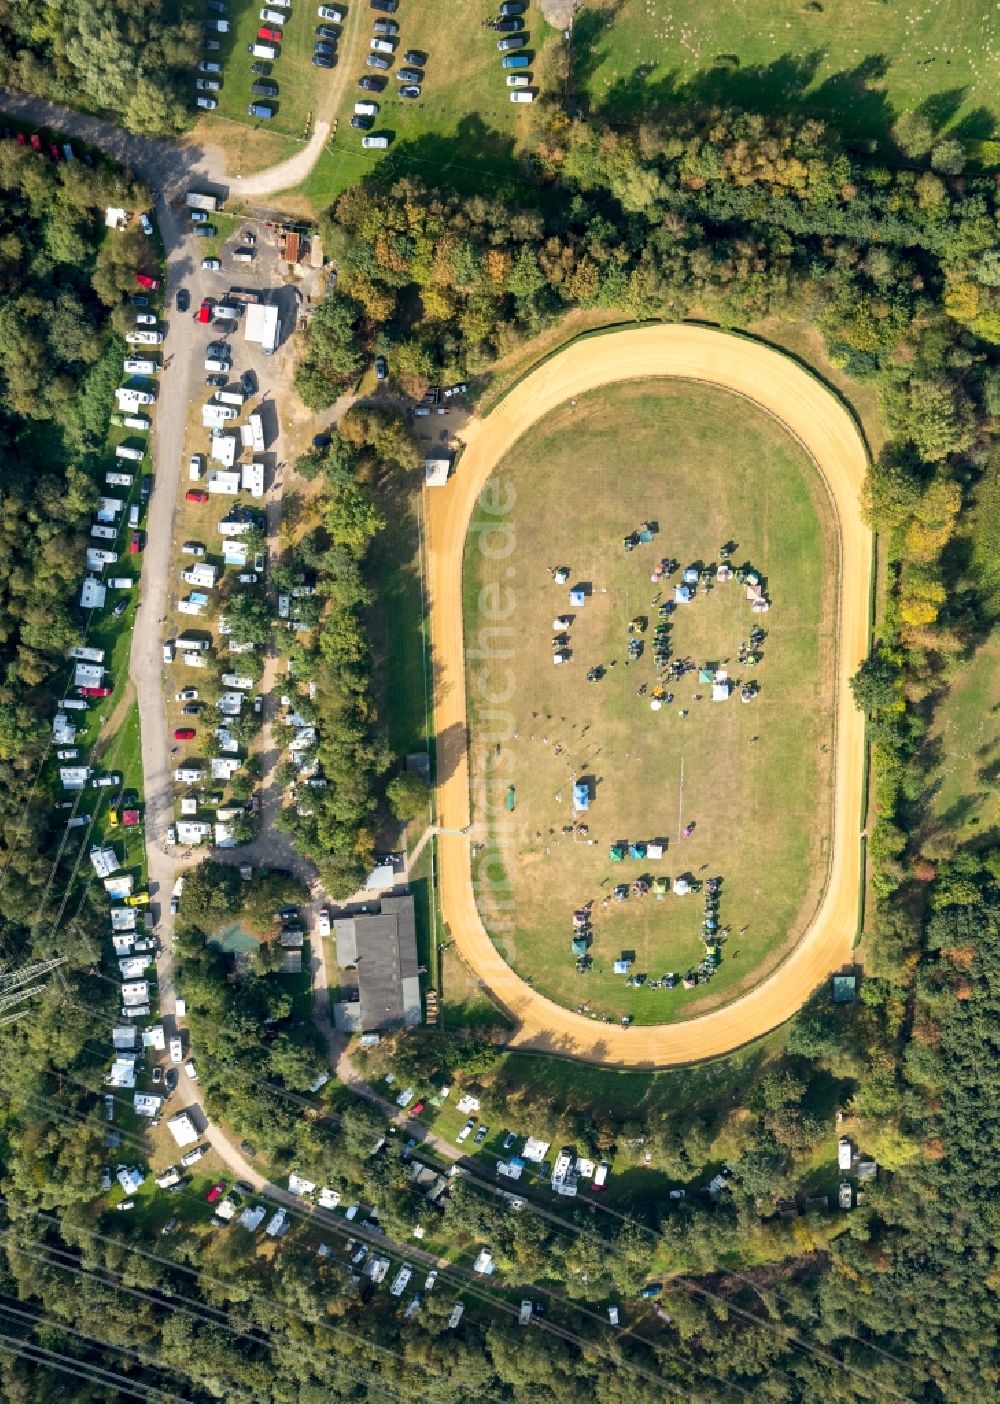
[[856, 62], [705, 468]]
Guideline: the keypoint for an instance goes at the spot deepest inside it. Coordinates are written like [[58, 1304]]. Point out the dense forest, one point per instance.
[[132, 58]]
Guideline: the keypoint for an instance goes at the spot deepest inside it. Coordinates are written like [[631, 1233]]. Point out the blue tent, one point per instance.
[[581, 796], [579, 944], [578, 598], [637, 850]]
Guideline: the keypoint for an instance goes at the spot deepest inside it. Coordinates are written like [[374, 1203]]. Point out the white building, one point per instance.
[[146, 1104], [123, 918], [88, 675], [104, 861], [223, 481], [123, 1036], [224, 767], [251, 1219], [535, 1151], [98, 557], [122, 1072], [223, 838], [203, 574], [193, 830], [120, 886], [230, 704], [223, 449], [298, 1184], [261, 325], [132, 967], [63, 730], [134, 993], [436, 471], [253, 478], [93, 594], [154, 1037], [182, 1129], [74, 777]]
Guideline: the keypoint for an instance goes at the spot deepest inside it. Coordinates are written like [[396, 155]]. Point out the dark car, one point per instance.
[[409, 75], [120, 609], [386, 29], [248, 383], [326, 31], [388, 7], [368, 84], [410, 91], [507, 26], [321, 441], [183, 300], [139, 300], [322, 61], [381, 368], [264, 90], [513, 7], [480, 1135], [415, 56], [217, 381], [377, 61], [327, 50], [362, 124], [170, 1079], [261, 70]]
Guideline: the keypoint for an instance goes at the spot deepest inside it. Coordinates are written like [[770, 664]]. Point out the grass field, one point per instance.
[[706, 468], [463, 129], [965, 734], [856, 62]]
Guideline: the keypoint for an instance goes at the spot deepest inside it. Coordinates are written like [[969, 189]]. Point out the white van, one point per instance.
[[273, 16], [133, 515], [263, 51], [522, 95], [196, 467], [135, 365], [137, 421], [375, 143], [213, 363], [366, 109], [127, 451], [194, 645]]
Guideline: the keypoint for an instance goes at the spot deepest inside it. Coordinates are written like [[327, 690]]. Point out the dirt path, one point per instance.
[[828, 433]]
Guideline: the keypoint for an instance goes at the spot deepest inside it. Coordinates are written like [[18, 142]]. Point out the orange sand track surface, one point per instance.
[[825, 428]]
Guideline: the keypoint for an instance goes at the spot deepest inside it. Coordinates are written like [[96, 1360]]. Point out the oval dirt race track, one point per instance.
[[825, 428]]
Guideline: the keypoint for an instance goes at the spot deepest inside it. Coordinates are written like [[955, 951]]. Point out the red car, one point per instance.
[[36, 142], [145, 281], [134, 544], [271, 36], [415, 1111], [195, 495], [216, 1192], [94, 691], [204, 313], [184, 733], [22, 140]]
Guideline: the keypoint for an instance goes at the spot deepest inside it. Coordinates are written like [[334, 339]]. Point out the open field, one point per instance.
[[854, 62], [708, 469], [828, 433], [965, 735]]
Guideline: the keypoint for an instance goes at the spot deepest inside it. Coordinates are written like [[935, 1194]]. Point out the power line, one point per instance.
[[95, 1374]]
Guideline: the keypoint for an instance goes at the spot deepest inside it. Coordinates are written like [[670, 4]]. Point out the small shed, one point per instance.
[[436, 471], [581, 795]]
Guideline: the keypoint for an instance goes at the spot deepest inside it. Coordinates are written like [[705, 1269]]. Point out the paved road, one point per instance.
[[826, 430]]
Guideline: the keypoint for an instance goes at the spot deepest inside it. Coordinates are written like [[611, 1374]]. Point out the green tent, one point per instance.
[[617, 853]]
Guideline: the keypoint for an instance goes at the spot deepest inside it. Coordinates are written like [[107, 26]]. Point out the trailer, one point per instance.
[[199, 200]]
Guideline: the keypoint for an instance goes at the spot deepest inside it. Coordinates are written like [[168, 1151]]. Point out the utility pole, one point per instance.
[[16, 986]]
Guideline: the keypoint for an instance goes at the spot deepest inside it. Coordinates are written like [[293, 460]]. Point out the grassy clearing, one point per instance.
[[299, 83], [966, 739], [462, 131], [708, 468], [855, 63]]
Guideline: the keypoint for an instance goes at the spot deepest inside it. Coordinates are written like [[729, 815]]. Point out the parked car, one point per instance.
[[514, 41], [368, 84], [326, 31], [361, 124], [157, 1074], [387, 28], [134, 543], [207, 104], [480, 1135], [522, 95], [211, 265], [195, 495], [248, 383], [388, 7], [269, 36], [366, 108], [381, 46], [147, 225], [207, 85], [193, 548], [381, 368], [509, 1140], [170, 1080], [264, 90], [261, 70], [325, 51], [183, 300], [375, 143], [191, 709], [409, 75], [415, 56], [514, 61], [409, 91], [193, 1156], [383, 64], [512, 7], [216, 1192], [207, 66], [184, 733], [175, 905], [187, 694], [192, 1073], [416, 1109], [518, 80], [507, 26], [327, 12], [322, 61], [217, 381], [262, 110]]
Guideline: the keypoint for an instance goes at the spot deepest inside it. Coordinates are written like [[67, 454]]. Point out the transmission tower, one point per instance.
[[16, 986]]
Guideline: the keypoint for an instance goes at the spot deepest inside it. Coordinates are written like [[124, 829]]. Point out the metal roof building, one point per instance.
[[382, 949]]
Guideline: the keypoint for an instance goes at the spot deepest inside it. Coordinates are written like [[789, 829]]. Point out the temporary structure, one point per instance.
[[681, 886], [581, 795], [577, 598], [617, 853]]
